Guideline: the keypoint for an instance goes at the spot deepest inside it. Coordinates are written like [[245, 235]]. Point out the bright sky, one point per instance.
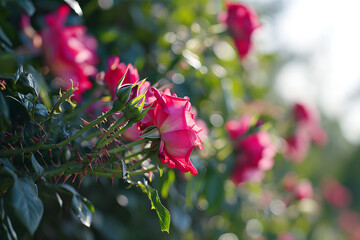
[[326, 34]]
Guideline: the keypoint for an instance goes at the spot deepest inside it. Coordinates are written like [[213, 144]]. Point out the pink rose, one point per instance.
[[255, 152], [69, 52], [178, 130], [308, 119], [335, 193], [297, 146], [237, 129], [307, 129], [116, 71], [241, 21], [286, 236], [303, 189], [290, 181]]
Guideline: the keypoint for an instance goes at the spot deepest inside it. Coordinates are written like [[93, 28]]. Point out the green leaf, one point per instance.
[[27, 5], [7, 163], [39, 170], [83, 209], [4, 113], [80, 205], [162, 212], [4, 38], [25, 83], [41, 110], [23, 199]]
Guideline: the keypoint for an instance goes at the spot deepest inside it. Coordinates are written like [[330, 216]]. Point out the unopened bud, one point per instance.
[[123, 93]]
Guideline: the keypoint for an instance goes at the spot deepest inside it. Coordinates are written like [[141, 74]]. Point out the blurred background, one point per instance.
[[305, 51]]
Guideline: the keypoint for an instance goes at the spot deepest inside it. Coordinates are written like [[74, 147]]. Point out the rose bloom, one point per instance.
[[178, 131], [69, 52], [255, 152], [241, 21]]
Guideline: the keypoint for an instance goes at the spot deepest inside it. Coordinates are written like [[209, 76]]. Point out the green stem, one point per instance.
[[6, 77], [40, 146], [66, 95], [111, 129], [126, 147], [60, 170], [116, 134], [138, 163], [141, 172], [80, 109], [91, 135], [133, 155]]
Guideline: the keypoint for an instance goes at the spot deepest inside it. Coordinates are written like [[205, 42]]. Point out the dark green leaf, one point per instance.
[[39, 170], [81, 208], [22, 197], [4, 38], [7, 163], [41, 110], [4, 113], [162, 212], [27, 5], [26, 84], [80, 205], [11, 229]]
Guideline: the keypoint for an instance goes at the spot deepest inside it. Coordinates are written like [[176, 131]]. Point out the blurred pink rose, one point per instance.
[[335, 193], [286, 236], [303, 189], [308, 119], [290, 181], [255, 152], [297, 146], [116, 71], [178, 130], [349, 220], [307, 129], [241, 21], [69, 52], [237, 129]]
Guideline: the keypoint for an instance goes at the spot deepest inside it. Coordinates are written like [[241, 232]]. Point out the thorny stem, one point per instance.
[[111, 129], [139, 162], [126, 147], [80, 109], [73, 167], [40, 146], [143, 171]]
